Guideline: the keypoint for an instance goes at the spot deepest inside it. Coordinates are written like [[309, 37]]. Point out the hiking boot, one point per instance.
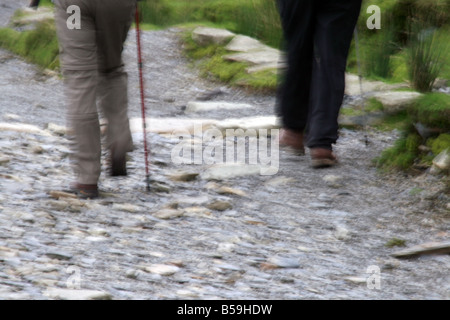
[[293, 140], [118, 163], [322, 158], [84, 191]]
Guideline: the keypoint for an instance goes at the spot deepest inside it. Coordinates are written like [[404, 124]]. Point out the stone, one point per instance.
[[263, 56], [284, 262], [57, 129], [182, 176], [166, 214], [4, 160], [342, 233], [249, 123], [204, 36], [23, 127], [195, 106], [242, 43], [59, 255], [333, 181], [231, 191], [60, 194], [395, 101], [162, 269], [72, 294], [219, 205], [127, 207], [442, 161], [230, 171]]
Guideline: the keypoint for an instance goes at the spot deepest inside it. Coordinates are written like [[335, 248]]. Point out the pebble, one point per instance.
[[166, 214], [162, 269], [219, 205], [72, 294]]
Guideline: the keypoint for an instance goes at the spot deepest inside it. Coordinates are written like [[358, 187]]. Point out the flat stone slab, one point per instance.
[[394, 101], [204, 36], [353, 87], [424, 249], [170, 125], [263, 56], [242, 43], [23, 127], [219, 105], [230, 171], [249, 123]]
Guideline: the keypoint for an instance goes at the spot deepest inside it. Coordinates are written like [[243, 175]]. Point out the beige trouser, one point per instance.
[[91, 61]]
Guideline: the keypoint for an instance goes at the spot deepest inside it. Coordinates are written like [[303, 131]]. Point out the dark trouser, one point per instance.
[[91, 60], [318, 34]]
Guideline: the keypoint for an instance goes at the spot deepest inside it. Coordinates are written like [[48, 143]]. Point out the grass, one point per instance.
[[39, 46], [432, 110], [209, 59]]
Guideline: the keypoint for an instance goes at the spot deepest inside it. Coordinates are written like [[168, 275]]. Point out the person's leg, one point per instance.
[[78, 52], [298, 20], [335, 25], [113, 20]]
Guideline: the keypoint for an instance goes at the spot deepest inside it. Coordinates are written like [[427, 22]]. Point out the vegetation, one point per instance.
[[412, 46], [39, 45]]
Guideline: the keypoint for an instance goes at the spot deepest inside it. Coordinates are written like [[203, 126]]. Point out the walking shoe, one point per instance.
[[118, 163], [84, 191], [293, 140], [322, 158]]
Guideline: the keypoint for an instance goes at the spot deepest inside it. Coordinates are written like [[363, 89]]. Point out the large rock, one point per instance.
[[395, 101], [204, 36], [266, 55], [244, 44], [353, 86], [230, 171]]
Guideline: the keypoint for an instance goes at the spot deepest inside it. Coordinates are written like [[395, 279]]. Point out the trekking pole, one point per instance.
[[358, 59], [141, 83]]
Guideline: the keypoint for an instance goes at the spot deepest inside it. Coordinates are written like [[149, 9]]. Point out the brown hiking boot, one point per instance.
[[84, 191], [323, 158], [293, 140]]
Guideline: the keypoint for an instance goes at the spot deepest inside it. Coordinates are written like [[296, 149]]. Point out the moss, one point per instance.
[[397, 121], [396, 242], [402, 155], [373, 105], [439, 144], [432, 110]]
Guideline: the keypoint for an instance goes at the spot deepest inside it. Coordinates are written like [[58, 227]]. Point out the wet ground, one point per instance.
[[300, 234]]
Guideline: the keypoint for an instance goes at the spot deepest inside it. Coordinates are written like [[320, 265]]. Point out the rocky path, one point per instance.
[[298, 234]]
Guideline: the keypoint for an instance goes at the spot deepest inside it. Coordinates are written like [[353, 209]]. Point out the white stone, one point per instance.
[[204, 36], [230, 171], [70, 294], [442, 161], [23, 127], [194, 106], [57, 129], [394, 101], [128, 207], [162, 269], [242, 43], [263, 56]]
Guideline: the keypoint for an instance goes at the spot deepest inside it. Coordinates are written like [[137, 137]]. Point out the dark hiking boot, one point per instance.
[[84, 191], [322, 158], [293, 140]]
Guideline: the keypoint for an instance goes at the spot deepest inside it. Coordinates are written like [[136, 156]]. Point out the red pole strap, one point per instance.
[[141, 83]]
